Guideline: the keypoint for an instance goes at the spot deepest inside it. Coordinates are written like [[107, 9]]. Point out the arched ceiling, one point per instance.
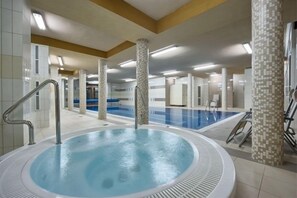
[[205, 31]]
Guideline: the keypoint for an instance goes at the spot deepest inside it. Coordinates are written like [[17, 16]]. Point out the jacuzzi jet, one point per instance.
[[123, 176], [107, 183]]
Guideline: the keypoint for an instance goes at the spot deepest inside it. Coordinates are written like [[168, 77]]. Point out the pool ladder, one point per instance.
[[27, 122], [135, 103]]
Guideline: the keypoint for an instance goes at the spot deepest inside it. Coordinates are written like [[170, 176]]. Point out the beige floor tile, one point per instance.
[[233, 158], [250, 166], [278, 188], [280, 174], [250, 178], [246, 191], [264, 194]]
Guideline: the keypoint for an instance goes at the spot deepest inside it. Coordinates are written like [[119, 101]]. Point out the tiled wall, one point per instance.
[[215, 87], [15, 61], [238, 90], [39, 114], [125, 92], [203, 84], [248, 88]]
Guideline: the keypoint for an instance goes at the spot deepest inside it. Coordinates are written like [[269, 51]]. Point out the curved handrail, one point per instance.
[[27, 122], [135, 103]]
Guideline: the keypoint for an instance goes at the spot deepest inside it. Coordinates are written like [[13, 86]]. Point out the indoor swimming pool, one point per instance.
[[193, 119]]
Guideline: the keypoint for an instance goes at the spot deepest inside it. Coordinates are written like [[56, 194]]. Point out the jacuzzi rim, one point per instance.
[[225, 186], [30, 184]]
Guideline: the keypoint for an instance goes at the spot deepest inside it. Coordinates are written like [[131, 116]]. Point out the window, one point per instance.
[[37, 103], [36, 59]]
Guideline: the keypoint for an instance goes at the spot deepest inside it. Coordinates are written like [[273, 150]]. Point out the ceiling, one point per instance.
[[205, 31]]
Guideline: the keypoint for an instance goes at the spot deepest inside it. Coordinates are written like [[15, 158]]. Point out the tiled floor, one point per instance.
[[254, 180]]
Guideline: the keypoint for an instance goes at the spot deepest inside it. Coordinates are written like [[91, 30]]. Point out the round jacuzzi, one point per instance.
[[120, 162]]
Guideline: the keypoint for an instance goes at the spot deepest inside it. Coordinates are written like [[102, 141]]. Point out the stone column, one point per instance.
[[224, 89], [189, 95], [268, 81], [142, 80], [70, 93], [102, 84], [82, 91]]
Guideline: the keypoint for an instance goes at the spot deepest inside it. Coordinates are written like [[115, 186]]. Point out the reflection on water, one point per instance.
[[194, 119]]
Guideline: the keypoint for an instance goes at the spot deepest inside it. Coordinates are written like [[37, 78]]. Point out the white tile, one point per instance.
[[18, 5], [7, 149], [1, 135], [6, 4], [18, 135], [17, 89], [17, 26], [17, 45], [280, 174], [248, 165], [246, 191], [6, 19], [7, 135], [6, 66], [251, 178], [5, 105], [278, 188], [7, 92], [6, 43], [264, 194], [17, 114], [17, 68]]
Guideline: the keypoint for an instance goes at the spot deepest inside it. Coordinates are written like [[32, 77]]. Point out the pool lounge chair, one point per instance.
[[240, 126], [289, 133]]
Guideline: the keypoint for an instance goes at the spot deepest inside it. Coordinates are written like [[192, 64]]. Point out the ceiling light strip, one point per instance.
[[170, 72], [204, 67], [60, 60], [128, 63], [39, 20], [163, 50], [248, 48]]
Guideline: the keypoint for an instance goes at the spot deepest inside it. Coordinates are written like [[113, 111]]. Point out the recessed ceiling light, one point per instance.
[[248, 48], [94, 82], [128, 63], [171, 72], [204, 67], [214, 74], [92, 76], [163, 50], [60, 60], [129, 79], [61, 68], [39, 20], [151, 76], [112, 70]]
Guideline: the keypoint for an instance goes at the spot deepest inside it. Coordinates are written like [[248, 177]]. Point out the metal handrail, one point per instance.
[[27, 122], [135, 103]]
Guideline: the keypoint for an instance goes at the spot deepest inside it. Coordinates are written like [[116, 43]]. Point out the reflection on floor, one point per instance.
[[254, 180]]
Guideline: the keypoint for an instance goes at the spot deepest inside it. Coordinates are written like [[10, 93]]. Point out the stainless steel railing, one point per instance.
[[27, 122], [135, 103]]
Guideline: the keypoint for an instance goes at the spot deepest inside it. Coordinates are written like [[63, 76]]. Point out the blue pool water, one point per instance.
[[193, 119], [112, 163]]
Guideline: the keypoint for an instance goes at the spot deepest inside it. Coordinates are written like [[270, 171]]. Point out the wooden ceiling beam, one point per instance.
[[43, 40]]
